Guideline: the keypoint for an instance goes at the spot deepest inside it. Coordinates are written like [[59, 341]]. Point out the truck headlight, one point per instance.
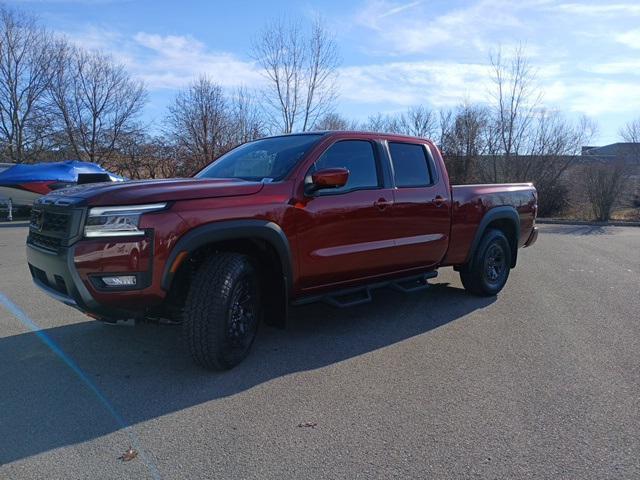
[[117, 221]]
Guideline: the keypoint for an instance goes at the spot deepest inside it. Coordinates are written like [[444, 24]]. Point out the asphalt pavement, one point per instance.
[[541, 382]]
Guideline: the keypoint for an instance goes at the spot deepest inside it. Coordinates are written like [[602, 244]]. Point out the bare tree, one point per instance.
[[320, 74], [382, 123], [419, 122], [604, 185], [142, 156], [554, 144], [445, 126], [464, 141], [199, 121], [334, 121], [132, 157], [631, 131], [515, 99], [551, 152], [300, 72], [27, 58], [526, 142], [247, 122], [96, 102]]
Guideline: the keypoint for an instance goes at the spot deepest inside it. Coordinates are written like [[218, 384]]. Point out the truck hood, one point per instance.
[[152, 191]]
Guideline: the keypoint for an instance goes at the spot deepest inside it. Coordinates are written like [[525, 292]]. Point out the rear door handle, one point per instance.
[[439, 201], [382, 203]]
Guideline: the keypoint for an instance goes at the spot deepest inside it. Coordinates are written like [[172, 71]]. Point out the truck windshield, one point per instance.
[[269, 158]]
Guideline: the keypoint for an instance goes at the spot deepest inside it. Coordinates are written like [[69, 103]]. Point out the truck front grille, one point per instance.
[[54, 222], [53, 226], [45, 241]]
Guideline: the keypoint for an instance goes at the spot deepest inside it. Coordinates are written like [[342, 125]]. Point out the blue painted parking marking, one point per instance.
[[18, 313]]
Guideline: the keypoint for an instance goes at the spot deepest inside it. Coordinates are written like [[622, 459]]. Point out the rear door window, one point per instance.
[[411, 165]]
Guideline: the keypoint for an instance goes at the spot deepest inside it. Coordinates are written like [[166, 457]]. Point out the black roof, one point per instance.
[[619, 149]]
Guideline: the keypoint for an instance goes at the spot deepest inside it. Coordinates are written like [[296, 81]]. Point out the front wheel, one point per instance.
[[222, 311], [489, 269]]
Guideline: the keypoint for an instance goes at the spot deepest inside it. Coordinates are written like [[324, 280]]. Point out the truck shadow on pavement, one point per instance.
[[144, 372]]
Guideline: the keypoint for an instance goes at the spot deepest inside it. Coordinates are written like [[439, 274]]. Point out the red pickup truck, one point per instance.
[[279, 221]]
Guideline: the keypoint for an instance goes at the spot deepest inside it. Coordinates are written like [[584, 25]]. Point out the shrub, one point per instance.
[[553, 199]]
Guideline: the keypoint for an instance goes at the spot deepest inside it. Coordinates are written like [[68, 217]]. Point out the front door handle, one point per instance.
[[382, 203], [439, 201]]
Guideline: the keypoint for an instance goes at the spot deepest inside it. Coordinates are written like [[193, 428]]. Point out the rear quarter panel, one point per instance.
[[470, 203]]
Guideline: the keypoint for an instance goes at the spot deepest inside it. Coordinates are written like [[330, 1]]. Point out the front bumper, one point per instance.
[[56, 274], [533, 236]]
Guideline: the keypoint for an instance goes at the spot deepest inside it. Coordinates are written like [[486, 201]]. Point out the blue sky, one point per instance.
[[395, 54]]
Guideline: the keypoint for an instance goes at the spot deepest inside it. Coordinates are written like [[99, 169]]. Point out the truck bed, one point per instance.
[[469, 205]]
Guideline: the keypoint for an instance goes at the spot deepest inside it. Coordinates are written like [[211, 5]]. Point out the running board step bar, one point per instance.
[[350, 297]]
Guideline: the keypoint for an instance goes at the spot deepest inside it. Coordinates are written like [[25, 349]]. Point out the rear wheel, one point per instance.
[[489, 269], [222, 311]]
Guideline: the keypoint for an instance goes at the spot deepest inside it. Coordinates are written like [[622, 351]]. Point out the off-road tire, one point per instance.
[[211, 306], [479, 278]]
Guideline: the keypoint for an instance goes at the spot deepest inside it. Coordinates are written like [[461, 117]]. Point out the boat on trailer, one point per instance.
[[24, 183]]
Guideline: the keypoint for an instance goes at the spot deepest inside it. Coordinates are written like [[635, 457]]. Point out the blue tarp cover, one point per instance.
[[55, 171]]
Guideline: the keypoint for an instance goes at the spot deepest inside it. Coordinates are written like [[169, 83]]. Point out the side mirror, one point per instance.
[[328, 178]]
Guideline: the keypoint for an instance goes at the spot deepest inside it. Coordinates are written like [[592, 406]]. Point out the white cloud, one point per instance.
[[630, 38], [397, 85], [446, 52], [402, 84], [174, 60], [618, 67], [96, 37], [400, 8], [600, 9], [416, 28], [168, 61], [596, 97]]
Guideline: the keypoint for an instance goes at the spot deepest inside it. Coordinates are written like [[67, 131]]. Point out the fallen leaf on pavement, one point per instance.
[[307, 424], [128, 455]]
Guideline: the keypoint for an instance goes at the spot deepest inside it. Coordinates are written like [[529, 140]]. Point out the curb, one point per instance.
[[14, 223], [551, 221]]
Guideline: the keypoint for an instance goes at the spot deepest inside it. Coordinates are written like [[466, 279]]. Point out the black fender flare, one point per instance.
[[233, 230], [497, 213]]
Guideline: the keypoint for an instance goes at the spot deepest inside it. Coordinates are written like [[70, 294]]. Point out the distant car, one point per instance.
[[283, 220], [24, 183]]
